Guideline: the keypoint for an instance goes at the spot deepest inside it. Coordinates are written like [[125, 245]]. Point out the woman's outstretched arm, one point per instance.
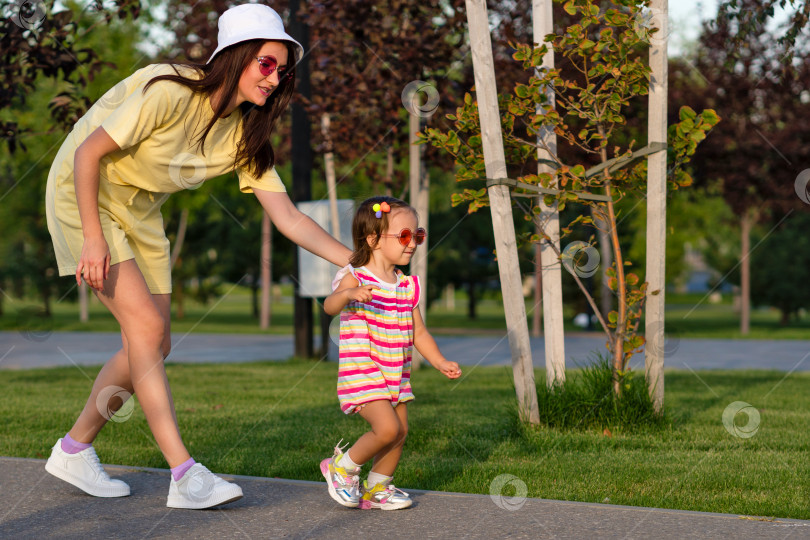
[[301, 229]]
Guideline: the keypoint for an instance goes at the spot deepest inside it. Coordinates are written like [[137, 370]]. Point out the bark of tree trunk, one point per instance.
[[606, 296], [179, 297], [471, 300], [501, 211], [84, 314], [420, 186], [266, 271], [746, 223], [181, 236], [657, 212], [537, 316], [302, 177]]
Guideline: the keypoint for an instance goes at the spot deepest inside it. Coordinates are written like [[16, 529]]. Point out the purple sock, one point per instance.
[[180, 470], [70, 446]]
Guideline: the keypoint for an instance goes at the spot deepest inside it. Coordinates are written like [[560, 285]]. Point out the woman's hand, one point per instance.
[[94, 263], [449, 369]]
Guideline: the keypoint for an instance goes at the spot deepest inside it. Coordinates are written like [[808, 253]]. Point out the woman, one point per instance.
[[163, 129]]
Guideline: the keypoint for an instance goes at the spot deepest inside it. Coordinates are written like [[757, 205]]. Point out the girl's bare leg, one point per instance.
[[387, 459], [138, 366], [386, 427]]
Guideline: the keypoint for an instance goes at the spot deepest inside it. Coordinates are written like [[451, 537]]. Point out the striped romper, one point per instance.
[[376, 341]]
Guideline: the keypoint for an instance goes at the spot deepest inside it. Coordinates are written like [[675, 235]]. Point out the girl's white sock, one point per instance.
[[346, 462], [377, 478]]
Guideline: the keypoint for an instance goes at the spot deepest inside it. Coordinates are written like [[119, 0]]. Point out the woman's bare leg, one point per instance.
[[115, 373], [145, 326]]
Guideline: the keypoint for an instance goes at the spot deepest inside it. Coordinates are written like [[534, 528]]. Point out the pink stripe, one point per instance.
[[374, 358], [356, 389], [402, 326], [349, 372]]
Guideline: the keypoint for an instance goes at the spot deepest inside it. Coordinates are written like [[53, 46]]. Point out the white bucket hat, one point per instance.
[[252, 21]]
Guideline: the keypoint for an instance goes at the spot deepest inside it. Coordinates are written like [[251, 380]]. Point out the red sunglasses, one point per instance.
[[405, 236], [269, 64]]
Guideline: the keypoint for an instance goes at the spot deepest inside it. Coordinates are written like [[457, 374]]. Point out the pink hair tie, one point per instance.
[[379, 208]]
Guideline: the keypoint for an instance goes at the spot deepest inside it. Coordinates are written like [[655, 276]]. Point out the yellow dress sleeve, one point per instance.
[[269, 181], [137, 116]]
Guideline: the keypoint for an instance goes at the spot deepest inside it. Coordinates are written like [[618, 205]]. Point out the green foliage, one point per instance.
[[27, 261], [698, 218], [780, 267], [604, 51], [586, 401]]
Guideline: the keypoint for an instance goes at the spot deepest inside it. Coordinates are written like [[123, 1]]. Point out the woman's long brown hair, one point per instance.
[[254, 151]]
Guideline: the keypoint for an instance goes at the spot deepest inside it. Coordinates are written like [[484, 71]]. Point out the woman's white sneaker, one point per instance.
[[84, 471], [200, 488]]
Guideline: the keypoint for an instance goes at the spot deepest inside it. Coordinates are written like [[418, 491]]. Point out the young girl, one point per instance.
[[379, 325], [163, 129]]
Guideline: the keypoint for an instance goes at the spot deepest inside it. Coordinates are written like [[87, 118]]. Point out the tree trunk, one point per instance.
[[46, 299], [84, 314], [537, 316], [606, 295], [656, 213], [302, 177], [179, 298], [181, 236], [746, 224], [389, 171], [621, 295], [266, 271], [501, 211], [420, 194], [450, 297], [254, 298], [471, 300], [331, 183], [551, 266]]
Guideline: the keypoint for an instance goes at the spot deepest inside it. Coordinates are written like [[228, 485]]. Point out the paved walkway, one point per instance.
[[20, 351], [34, 504]]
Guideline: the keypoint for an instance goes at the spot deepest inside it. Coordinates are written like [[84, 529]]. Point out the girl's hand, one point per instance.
[[450, 369], [364, 293], [94, 263]]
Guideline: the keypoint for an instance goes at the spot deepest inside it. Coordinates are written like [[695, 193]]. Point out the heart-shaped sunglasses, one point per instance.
[[269, 64], [405, 236]]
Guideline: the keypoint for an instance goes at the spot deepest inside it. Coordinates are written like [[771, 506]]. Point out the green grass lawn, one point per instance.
[[688, 316], [281, 419]]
